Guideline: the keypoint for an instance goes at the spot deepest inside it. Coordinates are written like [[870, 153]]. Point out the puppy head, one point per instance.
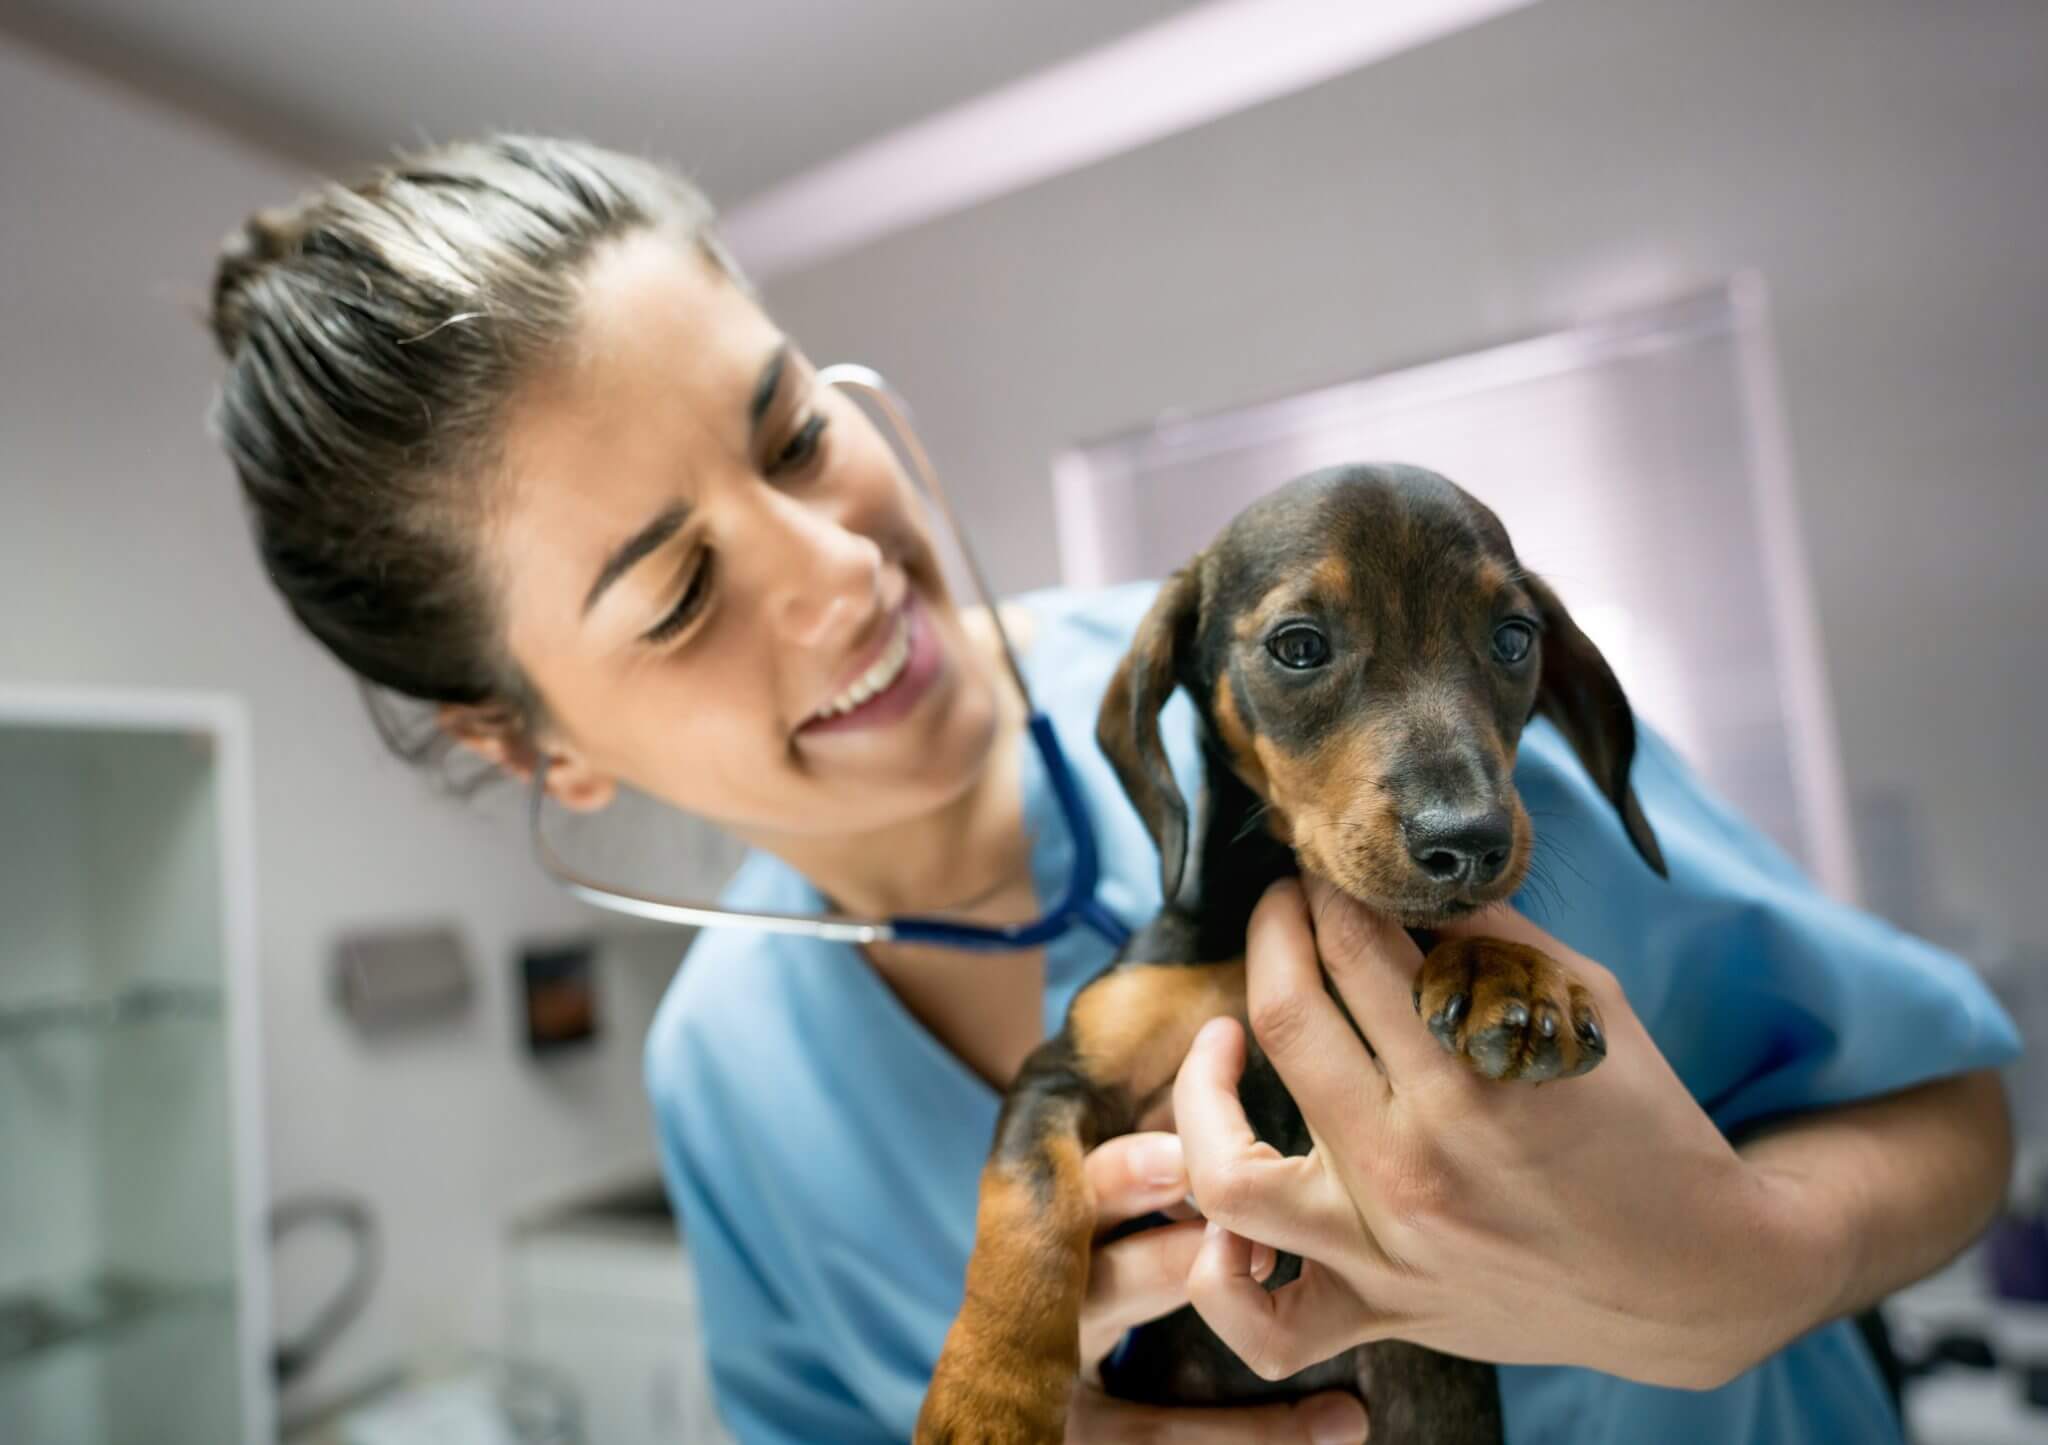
[[1365, 650]]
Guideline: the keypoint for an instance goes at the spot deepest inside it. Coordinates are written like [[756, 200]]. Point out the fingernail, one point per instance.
[[1161, 1162], [1262, 1261], [1335, 1420]]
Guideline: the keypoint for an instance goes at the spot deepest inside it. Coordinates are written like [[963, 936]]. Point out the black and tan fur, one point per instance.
[[1388, 770]]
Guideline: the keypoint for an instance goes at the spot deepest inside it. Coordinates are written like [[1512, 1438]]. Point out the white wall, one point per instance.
[[1879, 163], [124, 560]]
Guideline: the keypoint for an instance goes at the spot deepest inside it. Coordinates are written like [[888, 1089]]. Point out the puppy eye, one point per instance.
[[1512, 641], [1299, 647]]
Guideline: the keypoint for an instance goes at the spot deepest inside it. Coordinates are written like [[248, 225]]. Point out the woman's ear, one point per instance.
[[493, 733]]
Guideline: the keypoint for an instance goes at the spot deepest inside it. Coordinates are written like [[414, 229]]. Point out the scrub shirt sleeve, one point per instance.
[[1769, 996], [769, 1374]]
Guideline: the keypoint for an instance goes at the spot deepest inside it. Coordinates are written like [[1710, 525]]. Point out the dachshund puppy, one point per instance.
[[1363, 651]]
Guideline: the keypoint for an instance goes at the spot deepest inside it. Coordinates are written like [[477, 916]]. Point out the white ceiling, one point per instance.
[[743, 93]]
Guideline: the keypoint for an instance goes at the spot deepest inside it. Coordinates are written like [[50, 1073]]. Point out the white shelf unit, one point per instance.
[[134, 1294]]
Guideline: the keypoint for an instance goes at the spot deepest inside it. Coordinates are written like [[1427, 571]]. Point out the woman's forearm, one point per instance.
[[1885, 1191]]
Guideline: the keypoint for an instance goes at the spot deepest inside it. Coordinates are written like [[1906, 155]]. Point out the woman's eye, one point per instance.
[[687, 606], [1299, 647], [802, 447], [1512, 641]]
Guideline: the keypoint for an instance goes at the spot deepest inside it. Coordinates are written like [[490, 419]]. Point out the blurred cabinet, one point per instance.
[[133, 1293], [603, 1294]]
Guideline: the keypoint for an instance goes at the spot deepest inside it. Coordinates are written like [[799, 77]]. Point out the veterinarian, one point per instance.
[[521, 447]]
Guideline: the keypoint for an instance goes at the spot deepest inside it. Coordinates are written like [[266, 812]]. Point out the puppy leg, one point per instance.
[[1508, 1010], [1011, 1357]]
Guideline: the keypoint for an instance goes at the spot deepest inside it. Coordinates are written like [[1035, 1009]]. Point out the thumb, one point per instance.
[[1373, 964]]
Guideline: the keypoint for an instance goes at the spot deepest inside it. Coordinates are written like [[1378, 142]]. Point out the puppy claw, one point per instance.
[[1444, 1022], [1592, 1042], [1546, 1055]]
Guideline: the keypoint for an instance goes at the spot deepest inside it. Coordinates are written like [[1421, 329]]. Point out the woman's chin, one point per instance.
[[955, 753]]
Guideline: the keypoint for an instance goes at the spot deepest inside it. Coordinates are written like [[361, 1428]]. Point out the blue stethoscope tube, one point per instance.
[[1077, 906]]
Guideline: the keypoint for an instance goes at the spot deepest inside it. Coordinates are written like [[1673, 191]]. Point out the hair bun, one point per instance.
[[266, 236]]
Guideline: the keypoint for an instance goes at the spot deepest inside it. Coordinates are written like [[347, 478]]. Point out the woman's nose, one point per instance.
[[826, 578]]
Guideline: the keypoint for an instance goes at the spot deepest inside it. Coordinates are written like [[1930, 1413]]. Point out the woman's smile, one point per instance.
[[890, 680]]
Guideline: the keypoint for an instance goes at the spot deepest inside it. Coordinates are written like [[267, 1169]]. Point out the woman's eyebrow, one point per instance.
[[669, 520], [765, 387], [666, 523]]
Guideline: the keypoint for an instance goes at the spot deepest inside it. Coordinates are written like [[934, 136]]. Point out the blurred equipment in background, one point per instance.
[[473, 1401], [398, 979], [352, 1216], [1972, 1339], [476, 1401], [601, 1290], [558, 987]]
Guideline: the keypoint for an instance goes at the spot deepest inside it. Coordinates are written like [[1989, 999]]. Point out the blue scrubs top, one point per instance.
[[823, 1150]]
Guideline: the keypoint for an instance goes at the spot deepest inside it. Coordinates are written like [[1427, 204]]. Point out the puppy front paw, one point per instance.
[[1509, 1011]]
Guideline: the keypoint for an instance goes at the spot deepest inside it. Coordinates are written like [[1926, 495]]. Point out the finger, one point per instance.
[[1373, 963], [1238, 1180], [1136, 1279], [1135, 1174], [1279, 1332], [1316, 1050], [1334, 1418]]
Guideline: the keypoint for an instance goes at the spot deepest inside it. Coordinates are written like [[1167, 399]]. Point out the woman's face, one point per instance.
[[716, 575]]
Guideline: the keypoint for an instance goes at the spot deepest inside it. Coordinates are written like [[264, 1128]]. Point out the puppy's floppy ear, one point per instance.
[[1578, 691], [1128, 726]]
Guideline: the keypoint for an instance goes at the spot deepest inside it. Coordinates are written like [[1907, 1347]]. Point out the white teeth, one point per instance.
[[877, 678]]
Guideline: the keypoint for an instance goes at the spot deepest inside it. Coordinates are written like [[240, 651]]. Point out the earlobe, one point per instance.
[[579, 788], [495, 735], [489, 732]]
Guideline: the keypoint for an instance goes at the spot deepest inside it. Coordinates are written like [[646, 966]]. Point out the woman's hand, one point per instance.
[[1143, 1276], [1600, 1221]]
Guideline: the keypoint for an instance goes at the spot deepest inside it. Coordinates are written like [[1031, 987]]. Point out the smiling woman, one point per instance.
[[583, 396], [733, 530]]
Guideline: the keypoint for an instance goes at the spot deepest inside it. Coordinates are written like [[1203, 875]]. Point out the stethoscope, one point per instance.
[[1077, 905]]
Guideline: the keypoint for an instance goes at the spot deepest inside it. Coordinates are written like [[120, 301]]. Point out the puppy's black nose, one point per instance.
[[1460, 847]]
